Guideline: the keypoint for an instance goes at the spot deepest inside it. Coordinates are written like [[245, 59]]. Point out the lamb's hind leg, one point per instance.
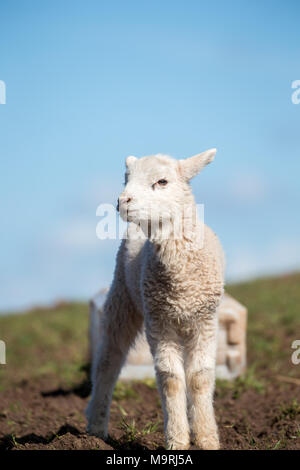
[[168, 360], [200, 378], [120, 325]]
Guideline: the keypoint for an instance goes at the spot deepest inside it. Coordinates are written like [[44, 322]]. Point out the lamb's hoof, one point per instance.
[[175, 445], [97, 431], [208, 443]]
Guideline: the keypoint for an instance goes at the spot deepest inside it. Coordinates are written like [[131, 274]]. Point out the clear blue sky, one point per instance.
[[90, 82]]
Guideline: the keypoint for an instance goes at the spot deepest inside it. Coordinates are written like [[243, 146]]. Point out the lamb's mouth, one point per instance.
[[130, 215]]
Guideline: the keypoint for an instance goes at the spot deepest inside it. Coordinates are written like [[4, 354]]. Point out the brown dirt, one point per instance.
[[41, 408], [37, 416]]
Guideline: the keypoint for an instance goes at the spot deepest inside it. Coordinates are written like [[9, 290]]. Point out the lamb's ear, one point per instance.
[[130, 160], [191, 166]]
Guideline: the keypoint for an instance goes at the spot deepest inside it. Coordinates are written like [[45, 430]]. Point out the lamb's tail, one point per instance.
[[95, 307]]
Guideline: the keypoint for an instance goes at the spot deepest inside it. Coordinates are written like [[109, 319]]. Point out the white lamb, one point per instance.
[[171, 284]]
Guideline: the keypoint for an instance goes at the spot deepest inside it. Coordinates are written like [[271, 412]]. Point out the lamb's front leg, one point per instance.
[[200, 377], [170, 377]]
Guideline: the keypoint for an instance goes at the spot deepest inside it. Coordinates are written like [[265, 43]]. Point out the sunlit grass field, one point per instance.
[[54, 341]]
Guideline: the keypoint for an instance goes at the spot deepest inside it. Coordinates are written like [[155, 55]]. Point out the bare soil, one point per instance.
[[44, 387], [37, 416]]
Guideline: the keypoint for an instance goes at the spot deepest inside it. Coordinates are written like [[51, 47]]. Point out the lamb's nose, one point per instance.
[[123, 199]]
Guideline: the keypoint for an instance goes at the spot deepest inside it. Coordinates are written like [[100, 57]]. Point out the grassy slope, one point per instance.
[[45, 343], [54, 342], [273, 321]]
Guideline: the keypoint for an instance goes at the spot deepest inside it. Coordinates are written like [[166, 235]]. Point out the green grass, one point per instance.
[[151, 383], [291, 410], [124, 390], [241, 384], [131, 432], [273, 319], [45, 342]]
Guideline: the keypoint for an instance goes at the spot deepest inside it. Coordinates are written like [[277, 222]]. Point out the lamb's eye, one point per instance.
[[162, 182]]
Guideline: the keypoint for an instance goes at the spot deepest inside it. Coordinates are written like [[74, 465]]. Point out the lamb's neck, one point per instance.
[[172, 251], [176, 238]]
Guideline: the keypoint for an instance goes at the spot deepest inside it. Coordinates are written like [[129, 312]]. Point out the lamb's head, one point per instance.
[[157, 186]]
